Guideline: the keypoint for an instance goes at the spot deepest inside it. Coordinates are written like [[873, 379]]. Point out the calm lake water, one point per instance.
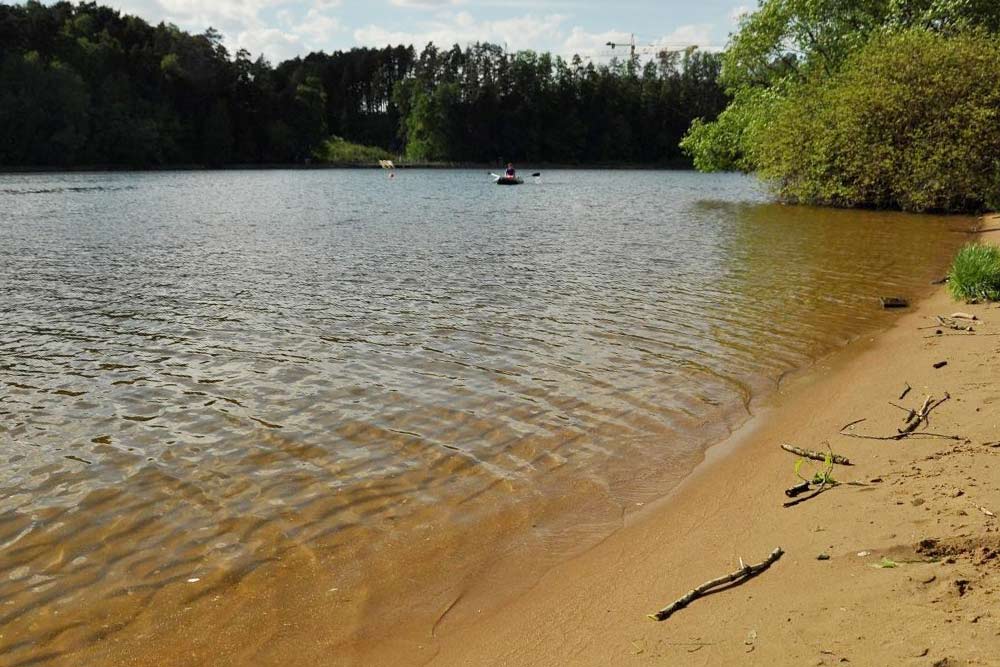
[[204, 374]]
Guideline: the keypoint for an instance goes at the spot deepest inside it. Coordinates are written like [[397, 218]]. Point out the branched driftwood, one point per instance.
[[913, 421], [950, 323], [817, 456], [741, 575], [916, 418]]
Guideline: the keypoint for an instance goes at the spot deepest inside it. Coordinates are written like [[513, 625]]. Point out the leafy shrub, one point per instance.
[[910, 121], [975, 275], [338, 151]]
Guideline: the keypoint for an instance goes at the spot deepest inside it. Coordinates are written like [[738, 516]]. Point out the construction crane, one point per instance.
[[648, 49]]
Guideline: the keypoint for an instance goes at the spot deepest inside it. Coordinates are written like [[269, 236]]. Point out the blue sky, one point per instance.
[[284, 28]]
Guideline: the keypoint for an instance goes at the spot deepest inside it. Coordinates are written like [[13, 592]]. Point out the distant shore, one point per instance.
[[898, 569], [523, 167]]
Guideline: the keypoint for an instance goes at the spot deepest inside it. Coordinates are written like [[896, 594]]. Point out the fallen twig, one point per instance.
[[901, 436], [849, 425], [823, 486], [910, 412], [984, 510], [797, 489], [741, 575], [914, 420], [906, 390], [817, 456], [950, 323]]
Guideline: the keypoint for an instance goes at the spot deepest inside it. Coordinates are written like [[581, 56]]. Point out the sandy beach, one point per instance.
[[911, 576]]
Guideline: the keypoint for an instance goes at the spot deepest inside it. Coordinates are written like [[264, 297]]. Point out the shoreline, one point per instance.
[[592, 609], [318, 166]]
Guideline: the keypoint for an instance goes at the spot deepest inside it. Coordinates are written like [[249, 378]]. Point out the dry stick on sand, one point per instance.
[[949, 323], [817, 456], [911, 424], [741, 575], [906, 390]]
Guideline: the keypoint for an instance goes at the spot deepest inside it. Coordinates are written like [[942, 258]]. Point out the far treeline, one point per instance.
[[85, 85], [864, 103]]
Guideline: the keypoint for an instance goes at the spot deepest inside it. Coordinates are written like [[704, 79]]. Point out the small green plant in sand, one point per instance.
[[975, 274], [822, 478]]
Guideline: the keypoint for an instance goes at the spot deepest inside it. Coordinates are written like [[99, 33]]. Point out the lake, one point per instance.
[[235, 399]]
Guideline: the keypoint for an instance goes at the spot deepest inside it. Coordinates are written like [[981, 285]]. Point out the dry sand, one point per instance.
[[935, 607]]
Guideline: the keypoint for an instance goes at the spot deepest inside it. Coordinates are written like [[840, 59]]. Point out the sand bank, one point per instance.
[[935, 607]]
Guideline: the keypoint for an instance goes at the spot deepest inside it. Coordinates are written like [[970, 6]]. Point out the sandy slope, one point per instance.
[[937, 607]]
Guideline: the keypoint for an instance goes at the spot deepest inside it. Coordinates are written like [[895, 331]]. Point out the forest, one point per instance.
[[85, 85]]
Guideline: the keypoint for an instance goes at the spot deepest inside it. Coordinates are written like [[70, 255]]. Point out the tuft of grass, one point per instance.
[[975, 274]]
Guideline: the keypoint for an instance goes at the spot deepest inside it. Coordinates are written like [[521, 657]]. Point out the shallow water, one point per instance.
[[202, 374]]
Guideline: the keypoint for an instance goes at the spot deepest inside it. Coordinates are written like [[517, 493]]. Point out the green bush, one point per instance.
[[910, 121], [337, 151], [975, 275]]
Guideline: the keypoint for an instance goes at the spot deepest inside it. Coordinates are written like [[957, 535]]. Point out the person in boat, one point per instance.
[[510, 173]]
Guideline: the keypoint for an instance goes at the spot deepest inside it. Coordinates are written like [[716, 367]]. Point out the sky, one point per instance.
[[281, 29]]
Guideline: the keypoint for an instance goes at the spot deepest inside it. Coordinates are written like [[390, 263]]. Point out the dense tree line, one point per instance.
[[479, 103], [85, 85], [875, 103]]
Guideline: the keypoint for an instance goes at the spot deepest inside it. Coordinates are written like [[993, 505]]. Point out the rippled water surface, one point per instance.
[[204, 374]]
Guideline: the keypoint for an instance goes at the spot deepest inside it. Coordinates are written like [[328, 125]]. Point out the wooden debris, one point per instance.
[[893, 302], [850, 424], [906, 390], [796, 490], [817, 456], [824, 485], [914, 419], [940, 364], [745, 573], [951, 323], [963, 316], [912, 423], [985, 511]]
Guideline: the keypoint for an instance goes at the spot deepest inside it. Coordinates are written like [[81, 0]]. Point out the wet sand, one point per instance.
[[927, 505]]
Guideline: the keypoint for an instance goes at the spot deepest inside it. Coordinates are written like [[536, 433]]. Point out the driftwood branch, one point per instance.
[[949, 323], [741, 575], [825, 485], [913, 421], [798, 489], [850, 424], [816, 456]]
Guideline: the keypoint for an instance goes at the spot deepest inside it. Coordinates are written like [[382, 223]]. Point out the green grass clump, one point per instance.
[[338, 151], [975, 275]]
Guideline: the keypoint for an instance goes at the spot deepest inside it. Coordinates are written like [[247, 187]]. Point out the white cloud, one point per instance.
[[272, 42], [282, 29], [737, 13], [426, 4], [286, 33], [318, 28], [522, 32]]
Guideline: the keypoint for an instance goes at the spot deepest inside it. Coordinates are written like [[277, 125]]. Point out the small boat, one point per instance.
[[509, 180]]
